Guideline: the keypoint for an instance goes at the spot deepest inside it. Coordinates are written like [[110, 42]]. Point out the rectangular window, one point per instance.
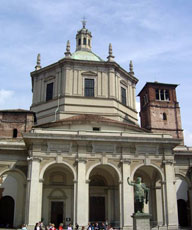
[[89, 87], [49, 92], [123, 96]]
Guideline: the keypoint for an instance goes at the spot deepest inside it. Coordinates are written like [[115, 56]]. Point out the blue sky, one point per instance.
[[155, 34]]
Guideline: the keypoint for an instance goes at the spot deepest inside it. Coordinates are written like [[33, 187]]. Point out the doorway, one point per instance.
[[57, 212], [7, 205], [182, 212], [97, 208]]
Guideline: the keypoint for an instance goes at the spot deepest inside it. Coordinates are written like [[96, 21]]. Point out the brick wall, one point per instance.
[[20, 121]]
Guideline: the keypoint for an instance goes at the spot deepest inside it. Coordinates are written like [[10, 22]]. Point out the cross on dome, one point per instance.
[[84, 22]]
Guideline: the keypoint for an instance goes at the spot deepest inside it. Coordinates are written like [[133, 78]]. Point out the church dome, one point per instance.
[[85, 55]]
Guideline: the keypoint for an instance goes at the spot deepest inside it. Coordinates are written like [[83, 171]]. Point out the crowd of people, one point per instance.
[[90, 226]]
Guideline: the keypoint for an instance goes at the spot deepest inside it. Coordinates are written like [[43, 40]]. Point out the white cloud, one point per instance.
[[188, 138], [4, 96]]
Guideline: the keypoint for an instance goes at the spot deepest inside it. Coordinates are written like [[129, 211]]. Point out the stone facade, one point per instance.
[[72, 165]]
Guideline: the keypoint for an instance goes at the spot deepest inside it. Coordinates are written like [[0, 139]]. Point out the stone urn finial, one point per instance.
[[131, 68], [110, 57], [68, 53], [38, 66]]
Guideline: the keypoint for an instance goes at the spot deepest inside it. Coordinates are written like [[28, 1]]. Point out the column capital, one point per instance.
[[125, 161], [34, 159], [75, 181], [169, 162], [87, 181], [81, 159], [41, 180], [163, 182]]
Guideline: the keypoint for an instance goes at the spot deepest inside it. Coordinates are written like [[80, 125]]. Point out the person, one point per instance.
[[92, 226], [89, 226], [110, 227], [97, 226], [53, 227], [76, 226], [37, 226], [49, 226], [24, 227], [69, 227], [140, 194], [61, 226], [103, 226]]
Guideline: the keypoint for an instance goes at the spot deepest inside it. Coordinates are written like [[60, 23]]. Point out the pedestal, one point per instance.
[[141, 221]]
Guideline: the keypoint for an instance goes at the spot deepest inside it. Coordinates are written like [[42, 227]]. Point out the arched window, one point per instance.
[[79, 42], [15, 133], [84, 41], [89, 42], [164, 116]]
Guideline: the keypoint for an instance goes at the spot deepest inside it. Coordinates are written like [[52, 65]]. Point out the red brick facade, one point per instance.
[[14, 122]]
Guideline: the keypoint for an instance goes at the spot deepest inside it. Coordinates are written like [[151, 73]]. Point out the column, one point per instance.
[[172, 215], [159, 206], [134, 97], [82, 194], [111, 83], [75, 203], [164, 203], [127, 197], [34, 193]]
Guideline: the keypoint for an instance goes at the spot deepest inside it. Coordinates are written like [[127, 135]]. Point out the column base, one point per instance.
[[30, 227], [173, 227], [141, 221], [127, 228], [159, 228]]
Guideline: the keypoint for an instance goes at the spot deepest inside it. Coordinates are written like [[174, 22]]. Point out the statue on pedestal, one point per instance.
[[141, 193]]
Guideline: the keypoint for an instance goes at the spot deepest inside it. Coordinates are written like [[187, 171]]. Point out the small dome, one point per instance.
[[85, 55]]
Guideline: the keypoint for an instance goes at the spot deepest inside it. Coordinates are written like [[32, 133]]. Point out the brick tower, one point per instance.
[[159, 109]]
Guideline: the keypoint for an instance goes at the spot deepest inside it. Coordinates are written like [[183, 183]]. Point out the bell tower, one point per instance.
[[83, 38], [159, 109]]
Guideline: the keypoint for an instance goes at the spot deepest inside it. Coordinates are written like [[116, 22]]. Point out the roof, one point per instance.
[[16, 111], [85, 55], [91, 118], [156, 83]]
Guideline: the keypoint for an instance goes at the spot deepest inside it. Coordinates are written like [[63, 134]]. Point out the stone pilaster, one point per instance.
[[75, 204], [34, 193], [171, 199], [82, 194], [127, 197]]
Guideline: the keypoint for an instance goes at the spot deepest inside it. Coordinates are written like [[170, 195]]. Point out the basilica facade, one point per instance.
[[67, 160]]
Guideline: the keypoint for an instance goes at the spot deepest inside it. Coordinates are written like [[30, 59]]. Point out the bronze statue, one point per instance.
[[140, 194]]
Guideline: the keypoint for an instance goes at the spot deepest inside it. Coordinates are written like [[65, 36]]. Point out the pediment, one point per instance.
[[89, 73]]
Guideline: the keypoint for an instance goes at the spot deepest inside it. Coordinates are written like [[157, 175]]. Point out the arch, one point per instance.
[[152, 165], [12, 171], [54, 162], [97, 164], [183, 177]]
